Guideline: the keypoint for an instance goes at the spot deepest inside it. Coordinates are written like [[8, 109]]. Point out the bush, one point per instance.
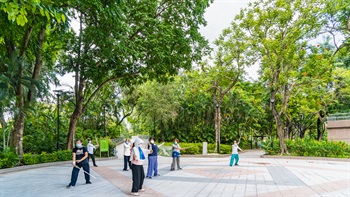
[[61, 155], [29, 159], [64, 155], [196, 148], [8, 159], [310, 147]]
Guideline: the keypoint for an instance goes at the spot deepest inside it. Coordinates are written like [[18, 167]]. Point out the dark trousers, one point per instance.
[[93, 159], [126, 162], [75, 173], [138, 175], [177, 159]]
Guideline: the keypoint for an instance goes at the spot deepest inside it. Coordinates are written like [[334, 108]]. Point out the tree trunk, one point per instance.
[[72, 127], [163, 130], [38, 60], [217, 128], [78, 111], [321, 127], [279, 126], [17, 134], [3, 126], [280, 133]]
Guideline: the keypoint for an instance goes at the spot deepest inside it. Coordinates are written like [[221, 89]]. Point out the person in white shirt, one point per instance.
[[127, 151], [234, 155], [91, 148], [137, 157]]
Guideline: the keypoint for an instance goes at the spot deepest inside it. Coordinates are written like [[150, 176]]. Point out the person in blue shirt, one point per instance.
[[80, 160], [176, 148], [152, 159]]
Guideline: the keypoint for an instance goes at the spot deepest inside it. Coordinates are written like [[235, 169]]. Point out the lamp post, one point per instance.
[[58, 94], [104, 118]]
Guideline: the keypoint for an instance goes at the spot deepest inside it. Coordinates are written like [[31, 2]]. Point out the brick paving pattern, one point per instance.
[[201, 176]]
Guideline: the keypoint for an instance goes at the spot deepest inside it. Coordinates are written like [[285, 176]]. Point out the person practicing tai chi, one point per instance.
[[176, 155], [91, 148], [80, 160], [235, 155], [138, 174], [153, 158], [127, 152]]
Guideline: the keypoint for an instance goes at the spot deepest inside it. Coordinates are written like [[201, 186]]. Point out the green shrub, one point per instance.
[[225, 149], [61, 155], [64, 155], [8, 159], [196, 148], [310, 147], [29, 159], [44, 157]]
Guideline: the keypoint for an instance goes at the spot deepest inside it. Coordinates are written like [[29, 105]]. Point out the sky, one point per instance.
[[218, 16]]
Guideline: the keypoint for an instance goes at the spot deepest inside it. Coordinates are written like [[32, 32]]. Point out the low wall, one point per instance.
[[339, 130]]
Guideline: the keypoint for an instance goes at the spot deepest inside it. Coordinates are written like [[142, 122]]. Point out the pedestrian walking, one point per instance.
[[91, 148], [127, 152], [176, 148], [152, 159], [235, 155], [80, 155], [138, 174]]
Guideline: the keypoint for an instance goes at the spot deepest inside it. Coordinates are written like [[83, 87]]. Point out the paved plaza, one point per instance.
[[200, 176]]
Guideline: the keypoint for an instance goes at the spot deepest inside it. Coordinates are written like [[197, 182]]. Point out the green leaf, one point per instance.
[[63, 18], [21, 20]]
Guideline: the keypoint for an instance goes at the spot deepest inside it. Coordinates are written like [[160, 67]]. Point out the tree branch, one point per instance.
[[25, 40], [38, 61], [101, 86]]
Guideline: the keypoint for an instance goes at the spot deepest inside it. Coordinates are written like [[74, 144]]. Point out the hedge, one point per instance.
[[61, 155], [196, 148], [310, 147]]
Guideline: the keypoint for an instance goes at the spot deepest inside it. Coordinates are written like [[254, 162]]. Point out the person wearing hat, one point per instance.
[[137, 158]]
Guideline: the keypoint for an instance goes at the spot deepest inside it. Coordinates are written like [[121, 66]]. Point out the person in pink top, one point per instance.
[[137, 158]]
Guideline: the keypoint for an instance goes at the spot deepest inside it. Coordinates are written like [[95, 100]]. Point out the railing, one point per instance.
[[339, 116]]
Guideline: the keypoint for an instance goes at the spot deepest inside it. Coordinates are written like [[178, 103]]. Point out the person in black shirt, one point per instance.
[[80, 155]]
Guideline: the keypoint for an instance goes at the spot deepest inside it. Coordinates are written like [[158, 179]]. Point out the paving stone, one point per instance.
[[201, 176]]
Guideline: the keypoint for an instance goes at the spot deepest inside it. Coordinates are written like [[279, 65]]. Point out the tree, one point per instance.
[[158, 103], [232, 57], [23, 49], [130, 42], [279, 29]]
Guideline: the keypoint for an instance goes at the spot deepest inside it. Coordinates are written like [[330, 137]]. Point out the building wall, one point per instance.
[[339, 130]]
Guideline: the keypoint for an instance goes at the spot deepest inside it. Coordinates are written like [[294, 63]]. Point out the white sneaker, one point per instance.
[[142, 190], [135, 194]]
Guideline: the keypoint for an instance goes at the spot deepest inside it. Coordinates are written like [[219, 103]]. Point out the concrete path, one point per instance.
[[201, 176]]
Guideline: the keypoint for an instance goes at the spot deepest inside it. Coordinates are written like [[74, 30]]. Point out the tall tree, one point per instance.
[[279, 29], [131, 42], [232, 57], [23, 49]]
